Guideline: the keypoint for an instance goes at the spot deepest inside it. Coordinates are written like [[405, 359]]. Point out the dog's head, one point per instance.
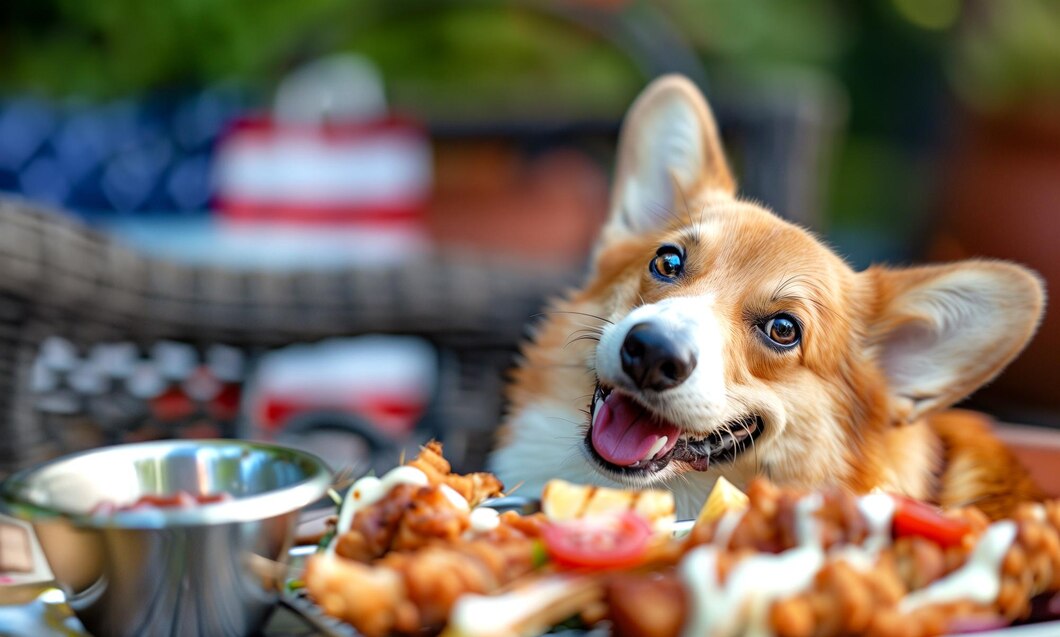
[[731, 340]]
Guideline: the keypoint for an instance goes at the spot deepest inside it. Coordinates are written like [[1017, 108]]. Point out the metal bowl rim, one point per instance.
[[252, 508]]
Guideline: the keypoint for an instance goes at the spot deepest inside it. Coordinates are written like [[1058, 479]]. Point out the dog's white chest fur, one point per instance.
[[545, 444]]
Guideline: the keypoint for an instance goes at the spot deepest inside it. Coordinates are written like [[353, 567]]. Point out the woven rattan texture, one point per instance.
[[59, 277]]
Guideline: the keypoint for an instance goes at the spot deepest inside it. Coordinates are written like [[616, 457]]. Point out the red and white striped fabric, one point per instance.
[[371, 176]]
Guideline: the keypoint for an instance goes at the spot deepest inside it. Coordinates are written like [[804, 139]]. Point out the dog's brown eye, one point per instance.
[[668, 263], [782, 330]]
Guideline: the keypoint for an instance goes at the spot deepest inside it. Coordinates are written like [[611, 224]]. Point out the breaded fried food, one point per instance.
[[408, 593], [863, 581], [406, 510], [475, 487], [408, 518]]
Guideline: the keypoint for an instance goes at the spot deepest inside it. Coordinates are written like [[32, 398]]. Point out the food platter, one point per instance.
[[46, 615], [379, 530], [772, 560], [288, 625]]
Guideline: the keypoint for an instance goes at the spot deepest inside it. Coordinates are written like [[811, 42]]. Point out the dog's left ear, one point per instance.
[[669, 142], [943, 331]]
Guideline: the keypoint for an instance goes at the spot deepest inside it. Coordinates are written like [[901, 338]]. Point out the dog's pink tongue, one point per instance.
[[623, 434]]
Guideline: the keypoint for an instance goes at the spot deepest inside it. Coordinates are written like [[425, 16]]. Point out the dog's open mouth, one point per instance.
[[626, 438]]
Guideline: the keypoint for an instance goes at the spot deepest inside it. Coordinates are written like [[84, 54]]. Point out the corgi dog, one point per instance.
[[713, 338]]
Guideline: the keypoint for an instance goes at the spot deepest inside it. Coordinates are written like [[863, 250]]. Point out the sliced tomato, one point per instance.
[[605, 542], [912, 517]]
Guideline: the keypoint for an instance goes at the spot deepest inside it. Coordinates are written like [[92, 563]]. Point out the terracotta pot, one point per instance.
[[1039, 451], [1001, 198], [491, 197]]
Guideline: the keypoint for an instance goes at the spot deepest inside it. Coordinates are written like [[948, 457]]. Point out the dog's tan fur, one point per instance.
[[853, 405]]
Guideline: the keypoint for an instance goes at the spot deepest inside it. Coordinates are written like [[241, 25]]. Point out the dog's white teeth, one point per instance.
[[739, 435], [657, 447], [596, 410]]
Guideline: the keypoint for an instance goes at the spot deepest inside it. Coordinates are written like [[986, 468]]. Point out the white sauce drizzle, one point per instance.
[[807, 528], [501, 615], [484, 519], [877, 509], [741, 604], [726, 527], [455, 498], [979, 580], [369, 490]]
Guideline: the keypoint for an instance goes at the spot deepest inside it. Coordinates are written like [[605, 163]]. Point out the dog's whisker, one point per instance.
[[574, 338], [600, 318], [591, 326], [750, 437], [557, 366], [566, 420], [573, 438], [684, 478], [594, 339], [588, 330]]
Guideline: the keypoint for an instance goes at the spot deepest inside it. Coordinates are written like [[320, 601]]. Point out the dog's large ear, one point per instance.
[[669, 141], [943, 331]]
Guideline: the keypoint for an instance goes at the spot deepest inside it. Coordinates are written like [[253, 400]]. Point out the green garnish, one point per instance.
[[539, 554], [325, 540]]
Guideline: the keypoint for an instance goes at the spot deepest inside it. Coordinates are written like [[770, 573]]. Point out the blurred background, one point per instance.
[[219, 213]]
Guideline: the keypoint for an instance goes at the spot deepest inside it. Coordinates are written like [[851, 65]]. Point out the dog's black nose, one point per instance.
[[654, 359]]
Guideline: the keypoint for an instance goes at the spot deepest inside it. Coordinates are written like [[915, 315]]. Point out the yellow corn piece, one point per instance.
[[562, 500], [724, 497]]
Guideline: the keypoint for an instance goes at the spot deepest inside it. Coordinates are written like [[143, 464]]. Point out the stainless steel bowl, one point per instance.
[[207, 570]]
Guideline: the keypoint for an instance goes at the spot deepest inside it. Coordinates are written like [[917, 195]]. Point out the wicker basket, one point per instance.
[[60, 278]]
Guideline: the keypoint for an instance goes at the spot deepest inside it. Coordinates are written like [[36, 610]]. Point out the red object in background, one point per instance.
[[999, 200], [375, 174], [386, 382], [172, 405], [395, 414], [492, 197], [200, 392], [225, 405]]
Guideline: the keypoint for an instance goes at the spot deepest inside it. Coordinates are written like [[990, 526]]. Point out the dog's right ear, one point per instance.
[[942, 331], [668, 147]]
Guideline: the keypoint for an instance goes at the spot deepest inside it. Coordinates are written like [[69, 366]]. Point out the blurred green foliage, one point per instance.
[[1008, 54], [764, 34], [496, 55], [489, 61], [444, 56], [445, 52], [110, 48]]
